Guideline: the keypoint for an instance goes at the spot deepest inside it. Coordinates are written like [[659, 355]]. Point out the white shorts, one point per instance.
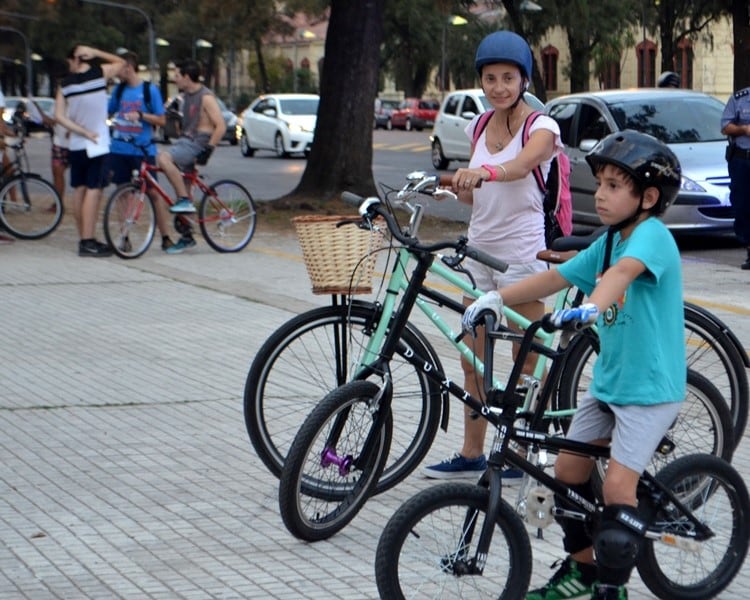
[[635, 430], [488, 279]]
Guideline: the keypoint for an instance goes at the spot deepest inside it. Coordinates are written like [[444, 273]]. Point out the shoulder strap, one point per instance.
[[147, 95], [525, 138], [118, 93], [481, 125]]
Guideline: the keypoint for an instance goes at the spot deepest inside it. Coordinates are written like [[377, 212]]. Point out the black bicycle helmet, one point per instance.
[[668, 79], [649, 161], [504, 47]]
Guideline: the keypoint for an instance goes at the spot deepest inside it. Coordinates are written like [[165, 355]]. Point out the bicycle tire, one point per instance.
[[735, 388], [129, 221], [716, 494], [227, 216], [30, 207], [710, 352], [319, 497], [420, 549], [312, 354]]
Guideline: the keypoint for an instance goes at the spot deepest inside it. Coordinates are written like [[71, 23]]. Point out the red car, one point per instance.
[[414, 113]]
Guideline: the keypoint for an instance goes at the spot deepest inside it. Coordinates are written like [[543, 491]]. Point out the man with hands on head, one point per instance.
[[81, 107]]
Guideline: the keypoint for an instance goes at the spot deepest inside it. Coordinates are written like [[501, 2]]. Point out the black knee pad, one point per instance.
[[577, 534], [617, 542]]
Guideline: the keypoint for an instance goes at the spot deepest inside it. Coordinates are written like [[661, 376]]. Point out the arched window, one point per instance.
[[609, 77], [305, 64], [288, 65], [646, 54], [550, 55], [684, 63]]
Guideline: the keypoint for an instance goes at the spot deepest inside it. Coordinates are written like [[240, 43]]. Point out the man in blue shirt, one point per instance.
[[735, 123], [136, 107]]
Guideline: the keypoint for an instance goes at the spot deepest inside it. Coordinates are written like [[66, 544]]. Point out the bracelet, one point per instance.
[[140, 115], [505, 173], [492, 171]]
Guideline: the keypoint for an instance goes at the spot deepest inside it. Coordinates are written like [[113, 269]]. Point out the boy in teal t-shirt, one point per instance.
[[633, 278]]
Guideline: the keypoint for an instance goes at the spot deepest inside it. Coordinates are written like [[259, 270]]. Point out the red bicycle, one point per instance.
[[226, 213]]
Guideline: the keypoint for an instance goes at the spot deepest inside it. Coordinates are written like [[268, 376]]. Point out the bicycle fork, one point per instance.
[[380, 407]]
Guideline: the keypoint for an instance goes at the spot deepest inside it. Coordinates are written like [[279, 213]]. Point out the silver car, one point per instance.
[[688, 122]]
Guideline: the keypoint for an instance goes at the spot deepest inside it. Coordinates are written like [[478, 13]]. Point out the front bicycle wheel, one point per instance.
[[335, 461], [316, 352], [709, 350], [226, 216], [129, 221], [683, 564], [428, 548], [30, 207]]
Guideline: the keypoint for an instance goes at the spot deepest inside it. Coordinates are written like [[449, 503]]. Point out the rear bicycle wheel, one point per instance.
[[335, 461], [686, 567], [30, 207], [226, 216], [316, 352], [129, 221], [427, 548]]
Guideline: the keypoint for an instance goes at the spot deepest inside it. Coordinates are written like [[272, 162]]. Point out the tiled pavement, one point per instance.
[[126, 471]]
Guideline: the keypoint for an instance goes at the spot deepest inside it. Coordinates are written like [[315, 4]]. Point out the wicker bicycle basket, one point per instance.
[[333, 253]]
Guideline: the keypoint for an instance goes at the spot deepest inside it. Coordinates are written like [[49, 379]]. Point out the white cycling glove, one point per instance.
[[586, 314], [490, 301]]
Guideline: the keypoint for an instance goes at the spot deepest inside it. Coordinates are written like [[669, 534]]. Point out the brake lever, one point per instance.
[[441, 194]]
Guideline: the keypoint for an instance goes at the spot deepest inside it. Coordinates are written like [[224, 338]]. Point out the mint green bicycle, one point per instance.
[[319, 350]]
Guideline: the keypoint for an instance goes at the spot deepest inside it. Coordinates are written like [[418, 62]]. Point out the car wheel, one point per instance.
[[438, 159], [407, 125], [278, 145], [389, 124], [245, 146]]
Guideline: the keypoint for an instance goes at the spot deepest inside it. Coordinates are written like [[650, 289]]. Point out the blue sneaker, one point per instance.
[[182, 244], [510, 475], [457, 467], [183, 205]]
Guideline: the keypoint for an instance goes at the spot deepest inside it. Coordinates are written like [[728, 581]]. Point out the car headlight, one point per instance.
[[294, 128], [688, 185]]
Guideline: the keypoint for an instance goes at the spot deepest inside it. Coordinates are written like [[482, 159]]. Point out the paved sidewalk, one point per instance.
[[126, 470]]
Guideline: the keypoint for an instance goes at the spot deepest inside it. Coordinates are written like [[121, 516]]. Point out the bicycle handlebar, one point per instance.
[[370, 208]]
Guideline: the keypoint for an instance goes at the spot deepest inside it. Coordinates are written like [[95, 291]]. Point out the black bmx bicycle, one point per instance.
[[460, 540]]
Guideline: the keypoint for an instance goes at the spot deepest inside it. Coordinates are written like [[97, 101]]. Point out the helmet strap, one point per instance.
[[612, 229]]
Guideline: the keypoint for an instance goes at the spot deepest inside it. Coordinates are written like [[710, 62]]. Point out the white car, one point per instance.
[[449, 141], [282, 123]]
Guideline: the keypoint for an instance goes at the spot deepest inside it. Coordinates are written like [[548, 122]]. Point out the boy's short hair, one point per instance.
[[190, 68], [131, 58], [635, 187]]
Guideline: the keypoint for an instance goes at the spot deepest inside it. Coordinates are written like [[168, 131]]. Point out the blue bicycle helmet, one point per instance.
[[504, 47]]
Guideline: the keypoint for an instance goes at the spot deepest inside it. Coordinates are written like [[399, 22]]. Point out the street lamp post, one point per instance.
[[200, 43], [27, 50], [151, 36]]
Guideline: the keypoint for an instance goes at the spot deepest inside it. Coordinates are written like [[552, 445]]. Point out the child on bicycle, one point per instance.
[[633, 278]]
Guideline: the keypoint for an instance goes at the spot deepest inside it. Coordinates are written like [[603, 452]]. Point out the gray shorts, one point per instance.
[[488, 279], [184, 150], [635, 430]]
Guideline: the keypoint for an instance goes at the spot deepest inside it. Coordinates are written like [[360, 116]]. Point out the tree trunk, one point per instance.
[[741, 36], [341, 155], [580, 55]]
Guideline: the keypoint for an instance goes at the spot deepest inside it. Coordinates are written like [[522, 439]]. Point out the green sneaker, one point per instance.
[[572, 580], [602, 591]]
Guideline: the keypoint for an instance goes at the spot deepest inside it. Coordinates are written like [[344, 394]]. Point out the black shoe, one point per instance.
[[745, 266], [93, 248]]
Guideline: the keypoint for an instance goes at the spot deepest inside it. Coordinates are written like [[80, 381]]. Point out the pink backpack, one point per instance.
[[558, 205]]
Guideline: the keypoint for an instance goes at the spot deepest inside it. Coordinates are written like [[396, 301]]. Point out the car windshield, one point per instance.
[[304, 106], [686, 121]]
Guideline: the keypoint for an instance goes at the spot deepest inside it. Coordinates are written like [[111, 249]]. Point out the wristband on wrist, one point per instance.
[[140, 115], [492, 171]]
